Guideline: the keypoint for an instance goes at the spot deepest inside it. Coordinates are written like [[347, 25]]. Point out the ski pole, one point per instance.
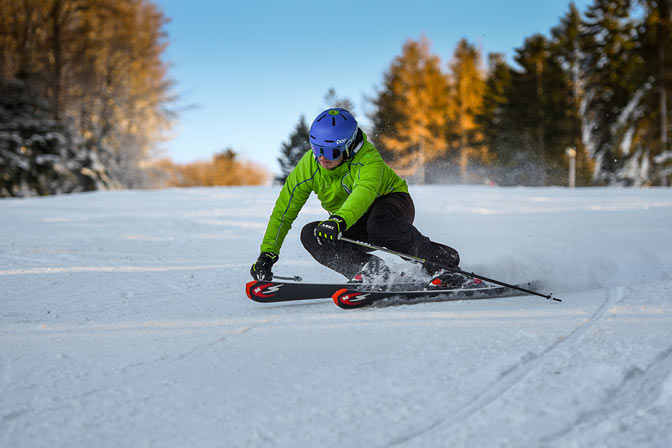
[[296, 278], [450, 268]]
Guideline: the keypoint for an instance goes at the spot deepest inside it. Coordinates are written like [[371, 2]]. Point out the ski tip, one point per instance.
[[248, 288], [349, 299], [337, 294]]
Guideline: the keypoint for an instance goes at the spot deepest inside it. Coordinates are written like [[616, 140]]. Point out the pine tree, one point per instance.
[[292, 151], [332, 100], [655, 39], [40, 155], [533, 57], [497, 126], [467, 88], [385, 115], [531, 113], [567, 51], [613, 94], [411, 110]]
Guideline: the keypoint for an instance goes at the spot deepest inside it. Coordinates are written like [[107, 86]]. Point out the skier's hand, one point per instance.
[[261, 270], [328, 232]]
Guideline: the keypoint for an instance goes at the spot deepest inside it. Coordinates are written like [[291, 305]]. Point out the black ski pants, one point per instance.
[[388, 223]]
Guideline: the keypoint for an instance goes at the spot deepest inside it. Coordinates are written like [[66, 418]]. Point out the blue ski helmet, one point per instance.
[[332, 133]]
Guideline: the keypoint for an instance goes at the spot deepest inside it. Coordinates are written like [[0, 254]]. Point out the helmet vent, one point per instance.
[[331, 133]]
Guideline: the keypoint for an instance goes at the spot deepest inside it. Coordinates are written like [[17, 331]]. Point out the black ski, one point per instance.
[[351, 297], [273, 291]]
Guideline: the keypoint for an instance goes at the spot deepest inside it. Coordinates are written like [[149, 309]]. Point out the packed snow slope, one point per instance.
[[124, 322]]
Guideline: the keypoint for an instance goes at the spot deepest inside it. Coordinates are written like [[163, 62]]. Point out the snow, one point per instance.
[[124, 322]]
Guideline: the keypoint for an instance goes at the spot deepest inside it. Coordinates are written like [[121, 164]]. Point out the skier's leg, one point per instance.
[[346, 259], [390, 224]]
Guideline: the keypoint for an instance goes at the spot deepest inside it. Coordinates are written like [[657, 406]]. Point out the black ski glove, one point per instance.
[[261, 270], [328, 232]]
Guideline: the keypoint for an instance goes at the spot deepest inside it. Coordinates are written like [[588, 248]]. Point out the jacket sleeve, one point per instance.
[[293, 196], [368, 175]]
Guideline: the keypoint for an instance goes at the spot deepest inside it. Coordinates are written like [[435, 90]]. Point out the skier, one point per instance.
[[366, 201]]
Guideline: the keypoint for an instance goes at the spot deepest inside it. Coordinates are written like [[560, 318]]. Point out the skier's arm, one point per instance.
[[293, 196]]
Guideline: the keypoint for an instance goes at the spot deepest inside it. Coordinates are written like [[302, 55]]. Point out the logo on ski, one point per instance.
[[353, 298], [267, 290]]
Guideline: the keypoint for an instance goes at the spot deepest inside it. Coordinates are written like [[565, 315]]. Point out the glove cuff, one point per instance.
[[342, 225], [270, 256]]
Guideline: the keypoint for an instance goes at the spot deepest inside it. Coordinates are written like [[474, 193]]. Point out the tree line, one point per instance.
[[84, 94], [596, 89], [223, 169], [85, 97]]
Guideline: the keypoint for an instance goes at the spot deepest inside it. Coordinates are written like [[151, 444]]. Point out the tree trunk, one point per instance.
[[56, 47], [420, 168], [541, 131], [663, 93], [464, 158]]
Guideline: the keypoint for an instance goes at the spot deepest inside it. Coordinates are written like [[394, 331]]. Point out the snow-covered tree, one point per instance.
[[39, 155], [613, 90], [655, 40]]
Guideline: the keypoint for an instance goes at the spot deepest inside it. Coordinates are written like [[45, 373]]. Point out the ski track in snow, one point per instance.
[[639, 390], [517, 372], [123, 322]]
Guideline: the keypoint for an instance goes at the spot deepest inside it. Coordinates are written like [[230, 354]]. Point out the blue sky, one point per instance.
[[249, 69]]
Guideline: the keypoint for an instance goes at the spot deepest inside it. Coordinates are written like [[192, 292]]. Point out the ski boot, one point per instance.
[[444, 279], [445, 255], [375, 271]]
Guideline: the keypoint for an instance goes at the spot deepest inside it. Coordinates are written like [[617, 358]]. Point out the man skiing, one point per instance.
[[366, 201]]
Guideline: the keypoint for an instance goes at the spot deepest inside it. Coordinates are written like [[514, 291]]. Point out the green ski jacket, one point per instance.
[[347, 191]]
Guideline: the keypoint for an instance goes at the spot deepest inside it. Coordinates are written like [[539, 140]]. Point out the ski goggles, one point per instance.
[[333, 152], [329, 152]]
